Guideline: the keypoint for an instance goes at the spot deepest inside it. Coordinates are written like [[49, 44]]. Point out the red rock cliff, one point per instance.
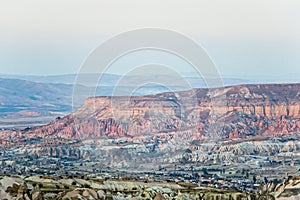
[[235, 111]]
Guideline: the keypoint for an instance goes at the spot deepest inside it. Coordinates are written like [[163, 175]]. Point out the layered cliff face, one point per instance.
[[236, 111]]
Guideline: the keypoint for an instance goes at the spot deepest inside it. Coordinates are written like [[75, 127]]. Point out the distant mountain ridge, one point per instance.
[[111, 79]]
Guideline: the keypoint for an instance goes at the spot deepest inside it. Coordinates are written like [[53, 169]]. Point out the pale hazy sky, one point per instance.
[[244, 38]]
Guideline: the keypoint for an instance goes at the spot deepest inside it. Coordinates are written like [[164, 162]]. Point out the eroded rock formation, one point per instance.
[[231, 112], [236, 111]]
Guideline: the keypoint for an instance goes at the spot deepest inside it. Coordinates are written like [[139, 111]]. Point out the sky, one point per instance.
[[257, 38]]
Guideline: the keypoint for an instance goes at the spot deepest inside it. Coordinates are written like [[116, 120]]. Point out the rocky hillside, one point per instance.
[[237, 111]]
